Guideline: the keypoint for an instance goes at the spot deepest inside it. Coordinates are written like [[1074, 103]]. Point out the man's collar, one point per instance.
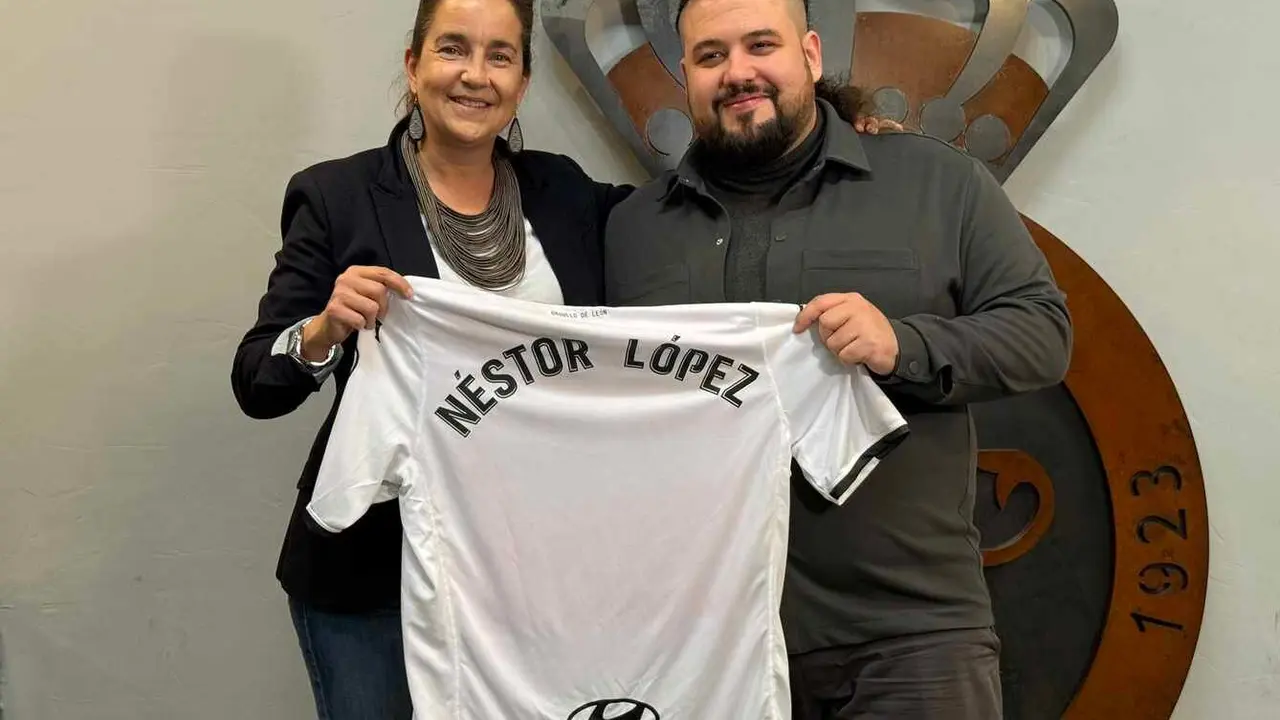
[[841, 146]]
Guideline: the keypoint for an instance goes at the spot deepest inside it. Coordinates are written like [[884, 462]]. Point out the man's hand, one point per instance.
[[872, 124], [852, 328], [359, 299]]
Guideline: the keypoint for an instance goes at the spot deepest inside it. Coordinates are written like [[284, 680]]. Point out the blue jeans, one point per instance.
[[356, 663]]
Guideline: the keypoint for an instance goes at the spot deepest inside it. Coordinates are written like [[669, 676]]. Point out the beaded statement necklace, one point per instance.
[[486, 250]]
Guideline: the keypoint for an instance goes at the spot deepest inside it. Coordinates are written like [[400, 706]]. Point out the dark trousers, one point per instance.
[[355, 662], [953, 675]]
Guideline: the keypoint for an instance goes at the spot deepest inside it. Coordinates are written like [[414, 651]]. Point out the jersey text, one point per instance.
[[670, 359], [544, 356]]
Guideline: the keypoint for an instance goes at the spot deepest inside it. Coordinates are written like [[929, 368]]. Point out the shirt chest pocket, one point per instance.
[[888, 278]]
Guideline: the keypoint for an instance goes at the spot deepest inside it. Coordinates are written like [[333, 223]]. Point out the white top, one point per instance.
[[595, 500]]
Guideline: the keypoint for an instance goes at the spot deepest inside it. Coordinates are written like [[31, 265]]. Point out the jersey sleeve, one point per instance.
[[369, 452], [840, 422]]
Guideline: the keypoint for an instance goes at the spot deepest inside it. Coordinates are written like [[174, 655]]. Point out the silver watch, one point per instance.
[[295, 351]]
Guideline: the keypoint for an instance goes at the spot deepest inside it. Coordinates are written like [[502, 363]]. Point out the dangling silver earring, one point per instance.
[[515, 138], [416, 129]]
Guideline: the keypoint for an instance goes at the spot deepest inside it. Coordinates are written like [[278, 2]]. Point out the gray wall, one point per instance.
[[144, 147]]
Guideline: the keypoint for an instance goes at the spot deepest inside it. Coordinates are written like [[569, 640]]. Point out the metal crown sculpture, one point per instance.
[[933, 76]]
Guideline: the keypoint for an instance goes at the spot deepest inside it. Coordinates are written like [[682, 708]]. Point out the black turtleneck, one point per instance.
[[751, 199]]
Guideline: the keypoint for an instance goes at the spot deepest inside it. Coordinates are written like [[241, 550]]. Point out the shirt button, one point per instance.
[[720, 241], [913, 366]]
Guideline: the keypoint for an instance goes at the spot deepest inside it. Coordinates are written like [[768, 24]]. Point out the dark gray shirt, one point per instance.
[[927, 235], [751, 199]]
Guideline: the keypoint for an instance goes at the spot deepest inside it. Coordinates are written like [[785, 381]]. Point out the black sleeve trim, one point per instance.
[[879, 450]]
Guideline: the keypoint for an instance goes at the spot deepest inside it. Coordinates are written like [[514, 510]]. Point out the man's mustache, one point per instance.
[[737, 91]]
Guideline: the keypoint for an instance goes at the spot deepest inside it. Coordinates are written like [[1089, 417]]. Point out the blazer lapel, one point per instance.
[[408, 248]]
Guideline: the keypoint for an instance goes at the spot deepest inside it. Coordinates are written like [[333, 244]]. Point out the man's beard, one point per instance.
[[751, 145]]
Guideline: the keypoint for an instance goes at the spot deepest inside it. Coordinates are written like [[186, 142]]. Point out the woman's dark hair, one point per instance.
[[427, 11]]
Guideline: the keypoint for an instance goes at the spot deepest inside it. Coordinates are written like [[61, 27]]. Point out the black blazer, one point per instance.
[[362, 210]]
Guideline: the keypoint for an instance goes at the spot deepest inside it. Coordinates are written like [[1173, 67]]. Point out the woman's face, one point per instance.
[[469, 76]]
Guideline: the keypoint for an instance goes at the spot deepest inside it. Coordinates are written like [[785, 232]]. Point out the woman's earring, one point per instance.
[[515, 138], [416, 129]]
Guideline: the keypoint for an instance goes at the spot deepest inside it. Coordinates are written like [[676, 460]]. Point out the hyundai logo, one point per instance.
[[616, 709]]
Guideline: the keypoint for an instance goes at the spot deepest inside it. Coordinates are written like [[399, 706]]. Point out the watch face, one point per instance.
[[295, 349]]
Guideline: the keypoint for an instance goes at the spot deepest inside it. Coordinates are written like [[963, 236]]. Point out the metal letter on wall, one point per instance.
[[1092, 504]]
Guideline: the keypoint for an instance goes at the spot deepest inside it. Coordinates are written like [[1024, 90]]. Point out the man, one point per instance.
[[909, 259]]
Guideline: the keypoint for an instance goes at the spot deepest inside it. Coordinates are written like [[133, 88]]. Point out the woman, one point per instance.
[[447, 198]]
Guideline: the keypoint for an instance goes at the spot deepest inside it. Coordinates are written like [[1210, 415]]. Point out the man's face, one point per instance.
[[749, 70]]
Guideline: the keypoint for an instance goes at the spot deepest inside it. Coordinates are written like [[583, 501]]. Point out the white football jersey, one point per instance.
[[595, 500]]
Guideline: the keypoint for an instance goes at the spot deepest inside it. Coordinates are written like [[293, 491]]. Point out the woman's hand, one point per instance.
[[358, 301], [872, 124]]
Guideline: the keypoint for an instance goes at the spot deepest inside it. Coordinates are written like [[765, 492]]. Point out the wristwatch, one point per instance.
[[295, 351]]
